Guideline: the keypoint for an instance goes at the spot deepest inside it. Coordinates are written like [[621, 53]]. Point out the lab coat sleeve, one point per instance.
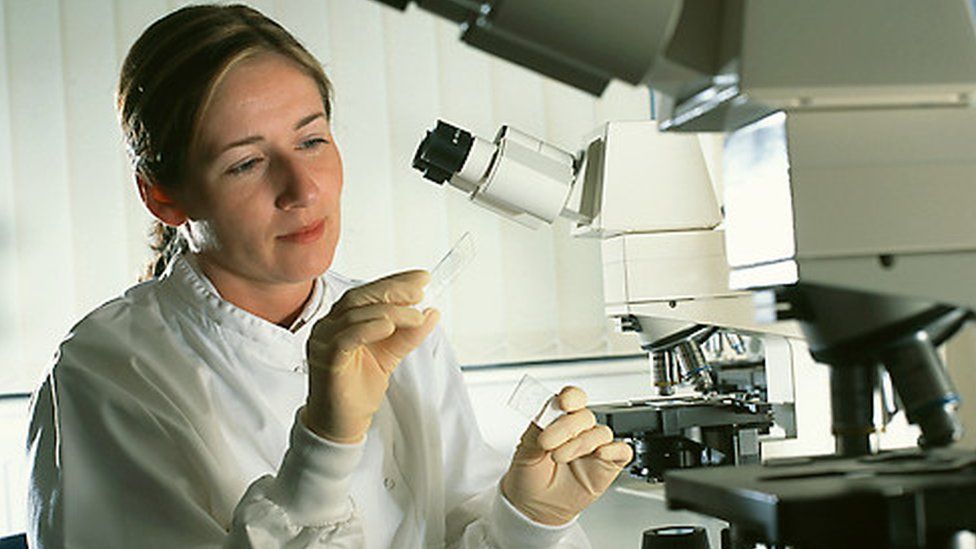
[[477, 514], [307, 503], [106, 472]]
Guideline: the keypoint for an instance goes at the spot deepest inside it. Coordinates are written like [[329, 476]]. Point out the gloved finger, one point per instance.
[[583, 445], [528, 450], [571, 399], [406, 288], [566, 427], [619, 453], [349, 340], [406, 338], [401, 316], [430, 318]]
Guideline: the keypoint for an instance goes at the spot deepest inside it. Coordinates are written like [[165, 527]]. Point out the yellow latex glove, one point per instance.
[[557, 472], [353, 350]]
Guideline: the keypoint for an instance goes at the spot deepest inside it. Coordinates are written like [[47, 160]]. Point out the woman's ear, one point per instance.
[[159, 203]]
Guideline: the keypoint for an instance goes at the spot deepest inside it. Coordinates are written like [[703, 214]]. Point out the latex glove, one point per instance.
[[555, 473], [353, 350]]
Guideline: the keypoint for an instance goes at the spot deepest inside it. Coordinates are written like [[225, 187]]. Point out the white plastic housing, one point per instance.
[[637, 179], [475, 166], [819, 197], [518, 176], [678, 277]]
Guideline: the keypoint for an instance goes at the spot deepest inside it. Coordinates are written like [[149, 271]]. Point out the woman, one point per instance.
[[248, 397]]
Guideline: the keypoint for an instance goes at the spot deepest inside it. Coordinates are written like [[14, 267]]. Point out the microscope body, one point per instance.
[[651, 199]]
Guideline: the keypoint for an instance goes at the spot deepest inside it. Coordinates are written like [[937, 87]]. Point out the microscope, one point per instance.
[[665, 279], [848, 163]]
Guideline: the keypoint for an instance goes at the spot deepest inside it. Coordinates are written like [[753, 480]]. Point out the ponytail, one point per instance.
[[166, 243]]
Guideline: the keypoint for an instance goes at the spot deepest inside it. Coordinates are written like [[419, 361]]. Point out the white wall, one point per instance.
[[73, 233], [13, 466]]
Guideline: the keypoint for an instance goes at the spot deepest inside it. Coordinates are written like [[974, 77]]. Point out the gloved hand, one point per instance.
[[557, 472], [353, 350]]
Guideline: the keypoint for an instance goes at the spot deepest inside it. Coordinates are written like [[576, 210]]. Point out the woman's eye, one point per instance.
[[312, 143], [243, 167]]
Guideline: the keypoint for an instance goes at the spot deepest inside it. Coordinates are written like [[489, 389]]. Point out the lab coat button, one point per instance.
[[389, 483]]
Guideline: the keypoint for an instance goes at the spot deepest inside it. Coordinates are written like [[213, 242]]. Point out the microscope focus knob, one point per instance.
[[675, 537]]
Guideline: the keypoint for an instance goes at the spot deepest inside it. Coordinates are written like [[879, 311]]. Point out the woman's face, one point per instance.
[[264, 176]]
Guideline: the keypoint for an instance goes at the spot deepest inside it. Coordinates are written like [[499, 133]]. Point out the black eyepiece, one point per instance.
[[398, 4], [675, 537], [442, 152]]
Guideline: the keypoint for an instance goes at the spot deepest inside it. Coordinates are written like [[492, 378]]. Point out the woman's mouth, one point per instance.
[[308, 233]]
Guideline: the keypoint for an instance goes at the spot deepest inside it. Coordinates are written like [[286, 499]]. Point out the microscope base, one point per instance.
[[909, 498]]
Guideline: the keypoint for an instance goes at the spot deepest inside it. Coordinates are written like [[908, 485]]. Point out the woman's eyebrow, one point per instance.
[[241, 142], [255, 138], [308, 119]]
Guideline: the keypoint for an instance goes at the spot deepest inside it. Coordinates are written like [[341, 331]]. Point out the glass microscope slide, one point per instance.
[[447, 269], [534, 401]]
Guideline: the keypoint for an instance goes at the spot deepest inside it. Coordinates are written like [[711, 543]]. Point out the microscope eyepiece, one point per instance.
[[398, 4], [443, 152], [675, 537], [516, 175]]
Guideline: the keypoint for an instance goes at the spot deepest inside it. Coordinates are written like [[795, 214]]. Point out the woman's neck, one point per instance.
[[278, 303]]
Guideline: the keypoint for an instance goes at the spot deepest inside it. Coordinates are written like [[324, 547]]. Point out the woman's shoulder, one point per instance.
[[129, 358], [118, 317], [117, 371], [113, 336]]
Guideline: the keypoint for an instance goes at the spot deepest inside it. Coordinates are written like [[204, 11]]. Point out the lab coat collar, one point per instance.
[[201, 299]]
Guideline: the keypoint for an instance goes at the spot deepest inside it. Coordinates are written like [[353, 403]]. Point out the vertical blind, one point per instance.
[[73, 232]]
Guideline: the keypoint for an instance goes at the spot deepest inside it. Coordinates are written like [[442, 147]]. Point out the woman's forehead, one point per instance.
[[264, 93]]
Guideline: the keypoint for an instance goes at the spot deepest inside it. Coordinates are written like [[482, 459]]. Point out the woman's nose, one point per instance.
[[299, 189]]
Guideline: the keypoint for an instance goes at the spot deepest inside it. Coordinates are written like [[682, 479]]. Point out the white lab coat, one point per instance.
[[169, 420]]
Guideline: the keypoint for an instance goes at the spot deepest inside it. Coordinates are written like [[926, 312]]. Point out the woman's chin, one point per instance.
[[304, 268]]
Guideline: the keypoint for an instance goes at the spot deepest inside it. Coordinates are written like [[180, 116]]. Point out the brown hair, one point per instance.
[[167, 79]]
